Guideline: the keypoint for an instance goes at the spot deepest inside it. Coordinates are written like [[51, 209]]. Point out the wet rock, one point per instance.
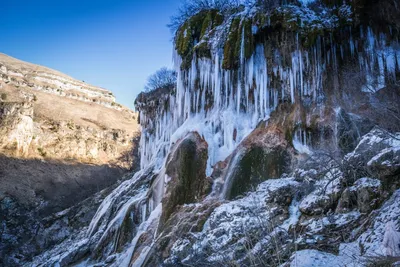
[[186, 171], [263, 155]]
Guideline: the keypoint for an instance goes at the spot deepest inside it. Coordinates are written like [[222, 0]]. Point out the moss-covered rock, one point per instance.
[[203, 50], [187, 172], [193, 31], [232, 46], [263, 155], [248, 38]]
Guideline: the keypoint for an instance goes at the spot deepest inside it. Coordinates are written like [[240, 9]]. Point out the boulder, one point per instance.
[[377, 155], [325, 195], [186, 172], [364, 195], [263, 155]]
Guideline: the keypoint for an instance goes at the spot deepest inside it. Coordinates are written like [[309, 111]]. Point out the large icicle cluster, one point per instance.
[[224, 105]]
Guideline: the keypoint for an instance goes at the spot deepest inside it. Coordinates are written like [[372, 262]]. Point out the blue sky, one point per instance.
[[115, 44]]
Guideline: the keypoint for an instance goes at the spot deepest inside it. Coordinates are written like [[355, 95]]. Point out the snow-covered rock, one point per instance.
[[326, 194], [378, 153]]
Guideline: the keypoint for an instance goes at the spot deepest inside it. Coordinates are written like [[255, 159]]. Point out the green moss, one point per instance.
[[194, 31], [202, 50], [232, 46], [125, 232], [189, 181], [184, 39], [310, 37], [248, 39], [261, 19], [289, 136], [207, 24], [218, 19], [256, 166]]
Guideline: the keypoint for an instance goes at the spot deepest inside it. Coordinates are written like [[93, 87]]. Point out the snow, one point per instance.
[[319, 225], [384, 145], [306, 2], [391, 240], [315, 258], [365, 182], [380, 239], [224, 107], [240, 218], [294, 215], [325, 190], [387, 152]]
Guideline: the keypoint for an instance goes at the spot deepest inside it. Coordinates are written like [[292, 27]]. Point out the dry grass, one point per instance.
[[86, 114]]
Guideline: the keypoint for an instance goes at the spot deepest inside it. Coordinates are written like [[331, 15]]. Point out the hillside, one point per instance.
[[52, 108], [61, 141], [23, 74]]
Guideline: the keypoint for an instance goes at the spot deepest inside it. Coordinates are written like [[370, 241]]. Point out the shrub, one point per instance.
[[3, 96], [42, 152]]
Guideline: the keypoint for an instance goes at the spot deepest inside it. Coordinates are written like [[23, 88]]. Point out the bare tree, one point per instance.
[[162, 78]]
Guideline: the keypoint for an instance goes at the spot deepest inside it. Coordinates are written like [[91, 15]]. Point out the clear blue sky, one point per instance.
[[114, 44]]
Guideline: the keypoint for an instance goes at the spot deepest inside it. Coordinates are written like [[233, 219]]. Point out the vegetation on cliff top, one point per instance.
[[244, 24]]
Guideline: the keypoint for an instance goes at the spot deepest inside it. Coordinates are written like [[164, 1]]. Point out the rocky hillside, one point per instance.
[[61, 141], [39, 119], [20, 74], [279, 146]]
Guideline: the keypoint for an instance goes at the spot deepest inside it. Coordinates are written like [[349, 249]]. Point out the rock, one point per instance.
[[263, 155], [370, 243], [365, 195], [350, 128], [326, 194], [377, 155], [386, 165], [23, 74], [233, 225], [16, 126], [186, 170], [178, 233], [347, 201], [315, 204]]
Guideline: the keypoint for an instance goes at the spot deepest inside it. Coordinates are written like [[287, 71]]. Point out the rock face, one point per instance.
[[16, 126], [278, 105]]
